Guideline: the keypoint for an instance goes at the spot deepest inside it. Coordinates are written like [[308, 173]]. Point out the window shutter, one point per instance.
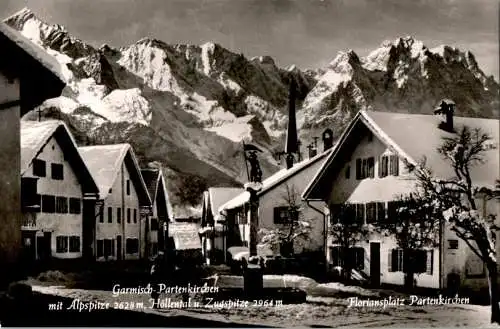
[[390, 261], [380, 212], [429, 261], [394, 165], [380, 166], [276, 215], [358, 168], [385, 166], [371, 167]]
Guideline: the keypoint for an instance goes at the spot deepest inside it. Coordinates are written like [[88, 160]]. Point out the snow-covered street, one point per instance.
[[317, 312]]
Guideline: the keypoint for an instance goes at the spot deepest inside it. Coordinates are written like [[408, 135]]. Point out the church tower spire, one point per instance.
[[292, 140]]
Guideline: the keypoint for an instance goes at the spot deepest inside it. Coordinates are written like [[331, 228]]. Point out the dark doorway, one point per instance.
[[43, 246], [375, 263], [119, 247]]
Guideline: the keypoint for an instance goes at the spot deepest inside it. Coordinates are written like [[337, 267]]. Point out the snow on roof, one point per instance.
[[220, 195], [272, 181], [185, 235], [405, 129], [104, 162], [35, 51], [415, 136], [34, 135]]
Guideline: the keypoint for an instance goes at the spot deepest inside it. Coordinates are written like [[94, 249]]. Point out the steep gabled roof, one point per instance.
[[412, 137], [220, 195], [151, 179], [273, 181], [35, 135], [104, 163], [35, 51], [154, 180]]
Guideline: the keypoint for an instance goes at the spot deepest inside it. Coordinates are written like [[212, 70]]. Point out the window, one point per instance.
[[370, 163], [128, 186], [61, 205], [392, 211], [452, 244], [421, 261], [334, 213], [135, 215], [241, 217], [360, 213], [336, 256], [371, 212], [107, 248], [394, 165], [110, 190], [132, 246], [57, 170], [348, 172], [154, 224], [39, 168], [344, 214], [280, 215], [128, 215], [75, 206], [118, 215], [100, 248], [357, 256], [74, 244], [396, 260], [112, 247], [110, 215], [381, 212], [383, 166], [61, 244], [48, 204], [365, 168]]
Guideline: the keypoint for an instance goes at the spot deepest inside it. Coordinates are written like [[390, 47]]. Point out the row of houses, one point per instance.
[[91, 202], [367, 169]]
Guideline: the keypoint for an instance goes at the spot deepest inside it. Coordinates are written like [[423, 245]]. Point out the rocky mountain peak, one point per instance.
[[188, 107]]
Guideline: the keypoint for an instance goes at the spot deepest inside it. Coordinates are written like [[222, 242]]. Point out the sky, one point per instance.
[[308, 33]]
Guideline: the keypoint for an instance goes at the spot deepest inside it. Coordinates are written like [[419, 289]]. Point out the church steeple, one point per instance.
[[292, 140]]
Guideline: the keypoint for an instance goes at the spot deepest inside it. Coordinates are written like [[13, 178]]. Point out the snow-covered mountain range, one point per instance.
[[187, 108]]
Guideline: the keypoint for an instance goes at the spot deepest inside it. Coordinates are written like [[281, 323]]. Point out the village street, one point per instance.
[[316, 312]]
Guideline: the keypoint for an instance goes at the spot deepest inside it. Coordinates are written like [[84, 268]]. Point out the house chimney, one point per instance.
[[446, 108], [327, 139]]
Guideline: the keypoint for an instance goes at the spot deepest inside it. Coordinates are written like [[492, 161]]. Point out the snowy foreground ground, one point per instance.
[[324, 309]]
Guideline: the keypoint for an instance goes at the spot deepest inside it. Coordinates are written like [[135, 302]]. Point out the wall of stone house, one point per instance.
[[276, 198], [59, 224], [10, 183], [118, 199], [351, 190], [461, 261]]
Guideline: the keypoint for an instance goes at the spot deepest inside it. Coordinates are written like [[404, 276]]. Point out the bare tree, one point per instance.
[[455, 198], [346, 232], [416, 228], [295, 227]]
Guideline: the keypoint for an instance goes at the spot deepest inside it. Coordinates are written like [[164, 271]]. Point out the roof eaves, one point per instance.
[[295, 172]]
